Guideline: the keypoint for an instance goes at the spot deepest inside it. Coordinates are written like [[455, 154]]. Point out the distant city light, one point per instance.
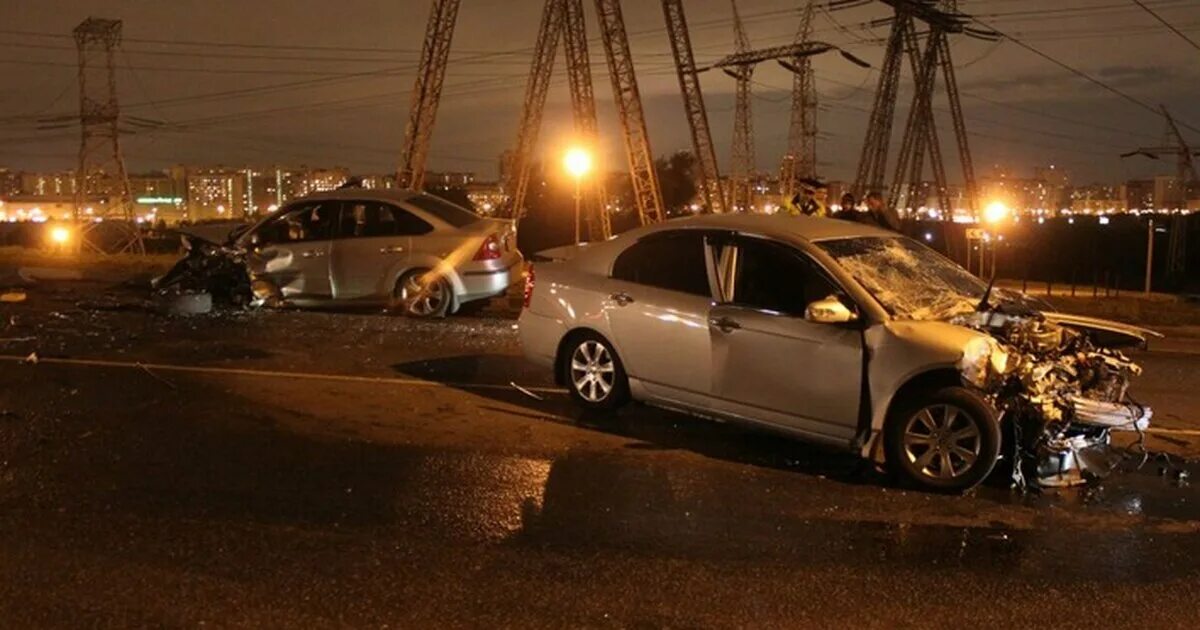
[[1103, 220]]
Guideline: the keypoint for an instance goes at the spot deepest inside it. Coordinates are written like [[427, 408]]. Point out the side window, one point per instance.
[[372, 218], [306, 222], [774, 277], [673, 261]]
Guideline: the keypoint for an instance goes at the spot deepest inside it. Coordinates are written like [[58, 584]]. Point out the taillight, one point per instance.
[[529, 280], [490, 250]]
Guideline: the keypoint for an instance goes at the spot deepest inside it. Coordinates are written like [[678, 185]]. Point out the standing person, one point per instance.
[[879, 214], [817, 193], [847, 204]]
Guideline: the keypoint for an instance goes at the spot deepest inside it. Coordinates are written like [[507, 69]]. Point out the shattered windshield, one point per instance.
[[910, 280]]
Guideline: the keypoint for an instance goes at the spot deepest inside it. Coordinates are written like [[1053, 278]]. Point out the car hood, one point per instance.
[[1106, 333]]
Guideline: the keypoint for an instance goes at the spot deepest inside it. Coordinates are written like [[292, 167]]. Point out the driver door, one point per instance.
[[292, 250], [772, 365]]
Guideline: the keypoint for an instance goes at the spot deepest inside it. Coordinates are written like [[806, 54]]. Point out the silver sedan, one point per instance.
[[418, 253], [830, 331]]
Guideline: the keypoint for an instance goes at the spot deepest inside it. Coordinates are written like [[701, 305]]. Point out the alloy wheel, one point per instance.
[[423, 298], [593, 372], [942, 441]]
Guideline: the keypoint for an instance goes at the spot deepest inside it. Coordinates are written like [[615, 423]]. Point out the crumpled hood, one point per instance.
[[1105, 332]]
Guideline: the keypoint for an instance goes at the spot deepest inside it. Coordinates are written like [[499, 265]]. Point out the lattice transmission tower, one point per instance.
[[709, 173], [564, 20], [426, 93], [920, 133], [741, 160], [800, 160], [100, 174]]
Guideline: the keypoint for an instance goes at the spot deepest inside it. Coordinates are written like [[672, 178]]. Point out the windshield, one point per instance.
[[910, 280]]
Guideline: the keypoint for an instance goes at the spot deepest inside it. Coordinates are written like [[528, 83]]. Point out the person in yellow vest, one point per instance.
[[817, 198]]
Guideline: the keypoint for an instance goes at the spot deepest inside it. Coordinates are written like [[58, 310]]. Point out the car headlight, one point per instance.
[[982, 357]]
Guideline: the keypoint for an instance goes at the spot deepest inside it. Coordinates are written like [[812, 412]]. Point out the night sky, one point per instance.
[[270, 85]]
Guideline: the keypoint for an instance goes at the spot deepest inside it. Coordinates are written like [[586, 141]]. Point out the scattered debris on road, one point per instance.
[[525, 391], [12, 297]]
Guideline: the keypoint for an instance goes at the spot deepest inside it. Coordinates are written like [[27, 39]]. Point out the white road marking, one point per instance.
[[195, 369]]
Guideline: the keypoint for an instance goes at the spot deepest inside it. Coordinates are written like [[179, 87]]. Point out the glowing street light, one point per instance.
[[578, 162], [995, 212], [60, 235]]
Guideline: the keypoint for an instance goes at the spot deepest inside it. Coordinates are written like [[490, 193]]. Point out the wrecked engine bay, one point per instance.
[[1060, 394]]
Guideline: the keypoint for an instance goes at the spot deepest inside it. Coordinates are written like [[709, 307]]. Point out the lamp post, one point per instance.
[[577, 162]]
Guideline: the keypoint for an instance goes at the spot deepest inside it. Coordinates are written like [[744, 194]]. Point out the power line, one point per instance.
[[1167, 24], [1079, 73]]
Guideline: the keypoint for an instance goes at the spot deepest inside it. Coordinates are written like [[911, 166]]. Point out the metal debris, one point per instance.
[[1062, 393], [32, 359], [12, 297], [156, 377], [525, 391]]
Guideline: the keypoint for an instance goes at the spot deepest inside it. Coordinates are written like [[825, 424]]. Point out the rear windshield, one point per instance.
[[444, 210]]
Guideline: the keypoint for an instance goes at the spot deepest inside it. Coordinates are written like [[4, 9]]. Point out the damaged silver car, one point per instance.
[[413, 252], [839, 333]]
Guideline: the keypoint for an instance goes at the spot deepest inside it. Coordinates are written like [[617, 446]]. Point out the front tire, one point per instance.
[[420, 294], [593, 373], [946, 439]]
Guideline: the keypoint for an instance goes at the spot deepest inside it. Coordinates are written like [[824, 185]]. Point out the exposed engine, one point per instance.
[[1060, 393]]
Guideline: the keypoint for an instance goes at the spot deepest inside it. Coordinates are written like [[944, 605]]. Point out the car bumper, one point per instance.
[[540, 336], [481, 284]]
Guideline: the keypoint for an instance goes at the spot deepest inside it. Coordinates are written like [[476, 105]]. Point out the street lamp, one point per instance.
[[578, 162]]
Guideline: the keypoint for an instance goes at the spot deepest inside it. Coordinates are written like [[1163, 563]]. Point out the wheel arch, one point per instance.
[[560, 353]]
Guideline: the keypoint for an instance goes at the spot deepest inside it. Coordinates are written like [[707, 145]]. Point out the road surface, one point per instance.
[[351, 469]]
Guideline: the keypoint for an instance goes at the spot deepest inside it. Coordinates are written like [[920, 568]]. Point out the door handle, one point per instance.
[[621, 298], [313, 253], [394, 249], [724, 324]]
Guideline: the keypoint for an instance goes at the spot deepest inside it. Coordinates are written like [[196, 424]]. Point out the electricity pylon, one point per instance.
[[101, 169], [741, 160], [427, 91], [800, 160]]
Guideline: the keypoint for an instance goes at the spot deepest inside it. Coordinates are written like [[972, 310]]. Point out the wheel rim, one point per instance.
[[592, 371], [421, 298], [942, 441]]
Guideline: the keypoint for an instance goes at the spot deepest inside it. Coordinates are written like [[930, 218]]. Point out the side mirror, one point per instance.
[[829, 311]]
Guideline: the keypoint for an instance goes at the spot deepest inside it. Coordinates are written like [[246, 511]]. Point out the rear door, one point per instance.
[[292, 250], [769, 362], [374, 243], [658, 309]]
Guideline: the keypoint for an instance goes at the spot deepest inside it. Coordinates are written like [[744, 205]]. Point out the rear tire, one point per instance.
[[946, 439], [419, 295], [593, 373]]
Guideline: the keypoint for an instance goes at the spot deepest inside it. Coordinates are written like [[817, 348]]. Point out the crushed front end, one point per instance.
[[1061, 394]]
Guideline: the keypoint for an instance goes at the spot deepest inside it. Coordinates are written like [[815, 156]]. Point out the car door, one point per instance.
[[292, 250], [770, 363], [373, 245], [657, 310]]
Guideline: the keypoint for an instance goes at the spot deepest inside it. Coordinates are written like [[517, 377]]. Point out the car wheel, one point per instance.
[[418, 294], [593, 372], [946, 439]]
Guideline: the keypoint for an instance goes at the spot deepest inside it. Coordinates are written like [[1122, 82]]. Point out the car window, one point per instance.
[[444, 210], [311, 221], [774, 277], [372, 218], [673, 261]]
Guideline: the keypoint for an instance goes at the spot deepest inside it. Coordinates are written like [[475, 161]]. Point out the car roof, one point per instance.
[[373, 194], [778, 225]]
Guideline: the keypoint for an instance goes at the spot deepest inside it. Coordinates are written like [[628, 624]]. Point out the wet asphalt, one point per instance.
[[352, 469]]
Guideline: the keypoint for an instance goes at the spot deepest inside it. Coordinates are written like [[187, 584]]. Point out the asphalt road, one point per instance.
[[334, 469]]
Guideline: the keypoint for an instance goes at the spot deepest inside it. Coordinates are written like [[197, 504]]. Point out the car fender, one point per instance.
[[900, 351]]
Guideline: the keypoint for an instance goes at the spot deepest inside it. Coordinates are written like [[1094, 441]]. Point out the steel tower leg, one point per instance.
[[427, 91]]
